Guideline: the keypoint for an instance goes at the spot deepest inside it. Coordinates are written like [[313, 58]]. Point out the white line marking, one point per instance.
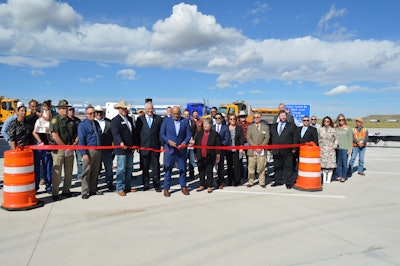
[[383, 173], [282, 194]]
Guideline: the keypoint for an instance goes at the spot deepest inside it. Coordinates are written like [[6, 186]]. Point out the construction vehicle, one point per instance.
[[7, 108], [267, 114], [201, 108]]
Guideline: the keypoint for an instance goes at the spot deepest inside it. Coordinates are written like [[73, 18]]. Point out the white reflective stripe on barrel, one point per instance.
[[23, 188], [309, 160], [310, 174], [19, 170]]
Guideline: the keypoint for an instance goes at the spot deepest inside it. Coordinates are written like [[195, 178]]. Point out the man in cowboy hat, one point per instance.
[[124, 135], [106, 140], [63, 132]]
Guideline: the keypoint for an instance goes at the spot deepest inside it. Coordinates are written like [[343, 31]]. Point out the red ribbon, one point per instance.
[[76, 147]]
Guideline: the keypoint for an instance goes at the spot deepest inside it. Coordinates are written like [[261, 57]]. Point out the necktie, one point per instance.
[[149, 121], [303, 131], [128, 124], [95, 131], [218, 128], [280, 129], [258, 127]]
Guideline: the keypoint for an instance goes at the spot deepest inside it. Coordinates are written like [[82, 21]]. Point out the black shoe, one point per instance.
[[67, 195], [145, 188], [48, 191], [111, 187], [289, 186], [158, 189], [56, 197], [99, 193], [276, 184], [85, 196]]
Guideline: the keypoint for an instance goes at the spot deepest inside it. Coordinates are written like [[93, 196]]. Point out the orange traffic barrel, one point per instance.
[[309, 174], [19, 181]]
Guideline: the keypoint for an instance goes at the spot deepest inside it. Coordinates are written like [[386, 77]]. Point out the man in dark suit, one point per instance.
[[123, 131], [106, 140], [175, 133], [307, 133], [284, 132], [223, 132], [148, 127]]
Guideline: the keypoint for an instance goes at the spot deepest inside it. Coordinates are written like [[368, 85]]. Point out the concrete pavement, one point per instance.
[[351, 223]]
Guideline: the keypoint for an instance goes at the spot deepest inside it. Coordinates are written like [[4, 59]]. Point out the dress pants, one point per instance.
[[150, 161], [90, 171], [205, 167], [257, 163], [283, 165], [178, 156], [232, 161]]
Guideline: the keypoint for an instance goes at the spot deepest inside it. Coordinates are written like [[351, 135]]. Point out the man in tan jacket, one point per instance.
[[257, 135]]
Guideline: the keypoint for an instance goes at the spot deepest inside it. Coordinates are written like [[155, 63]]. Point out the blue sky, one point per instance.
[[338, 56]]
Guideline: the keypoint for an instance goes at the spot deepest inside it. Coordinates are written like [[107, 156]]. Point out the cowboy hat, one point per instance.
[[98, 108], [121, 104]]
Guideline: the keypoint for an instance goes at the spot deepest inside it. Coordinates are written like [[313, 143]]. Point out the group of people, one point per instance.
[[182, 137]]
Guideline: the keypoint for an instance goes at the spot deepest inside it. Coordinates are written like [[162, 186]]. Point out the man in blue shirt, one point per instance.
[[89, 134]]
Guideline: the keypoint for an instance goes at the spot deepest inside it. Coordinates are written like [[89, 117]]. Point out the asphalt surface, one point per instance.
[[351, 223]]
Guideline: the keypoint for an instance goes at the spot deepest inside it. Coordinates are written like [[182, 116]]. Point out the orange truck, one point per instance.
[[237, 106]]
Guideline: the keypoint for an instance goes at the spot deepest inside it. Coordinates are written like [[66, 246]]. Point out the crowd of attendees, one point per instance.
[[226, 149]]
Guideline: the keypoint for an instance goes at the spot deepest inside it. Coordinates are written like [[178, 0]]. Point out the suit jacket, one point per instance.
[[311, 134], [239, 136], [149, 137], [223, 133], [255, 137], [168, 132], [106, 135], [289, 135], [121, 133], [213, 140]]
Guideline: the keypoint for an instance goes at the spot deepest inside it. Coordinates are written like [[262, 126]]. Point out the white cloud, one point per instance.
[[38, 15], [343, 89], [190, 40], [35, 72], [90, 79], [128, 74], [333, 13], [333, 31]]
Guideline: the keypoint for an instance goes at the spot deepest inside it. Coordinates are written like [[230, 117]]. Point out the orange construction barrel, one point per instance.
[[309, 174], [19, 192]]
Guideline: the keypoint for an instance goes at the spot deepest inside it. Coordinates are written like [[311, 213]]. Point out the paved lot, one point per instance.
[[352, 223]]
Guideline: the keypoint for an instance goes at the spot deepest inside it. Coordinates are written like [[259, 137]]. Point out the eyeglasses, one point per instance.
[[304, 120], [257, 117], [218, 118], [327, 121], [232, 118], [341, 119], [92, 113], [313, 119]]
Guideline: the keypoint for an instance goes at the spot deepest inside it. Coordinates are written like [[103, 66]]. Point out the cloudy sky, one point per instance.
[[338, 56]]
